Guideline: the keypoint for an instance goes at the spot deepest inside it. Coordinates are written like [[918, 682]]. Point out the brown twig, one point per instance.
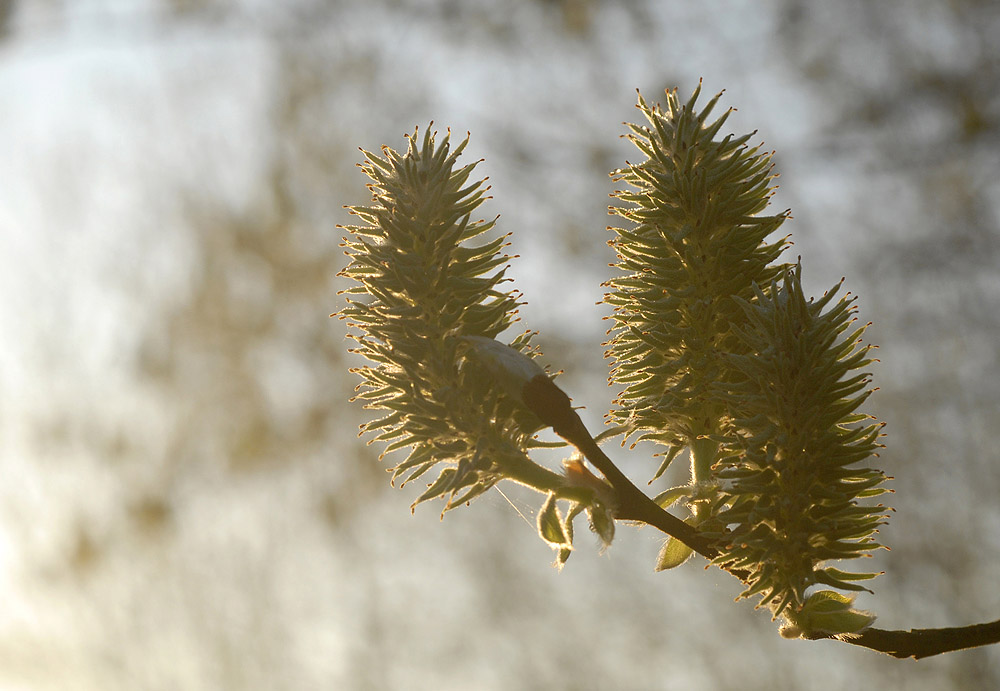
[[553, 406], [919, 643]]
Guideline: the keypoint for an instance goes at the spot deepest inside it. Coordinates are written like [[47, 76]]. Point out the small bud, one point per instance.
[[523, 379], [510, 368]]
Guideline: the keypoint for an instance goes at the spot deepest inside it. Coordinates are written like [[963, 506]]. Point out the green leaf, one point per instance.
[[839, 623], [438, 487], [575, 509], [668, 498], [827, 601], [550, 525], [563, 557], [827, 613], [826, 578], [849, 576], [672, 554], [668, 456], [602, 522]]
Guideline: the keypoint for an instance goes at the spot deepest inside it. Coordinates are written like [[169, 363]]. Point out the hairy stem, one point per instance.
[[703, 455]]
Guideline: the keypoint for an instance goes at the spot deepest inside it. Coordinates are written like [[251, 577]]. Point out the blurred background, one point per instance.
[[184, 502]]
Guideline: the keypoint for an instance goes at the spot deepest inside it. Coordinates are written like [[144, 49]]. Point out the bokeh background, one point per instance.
[[184, 502]]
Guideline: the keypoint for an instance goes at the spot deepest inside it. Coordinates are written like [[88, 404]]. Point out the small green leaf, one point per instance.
[[436, 488], [672, 554], [550, 525], [826, 578], [613, 431], [849, 576], [563, 557], [827, 601], [827, 613], [669, 497], [575, 509], [602, 522], [839, 623], [670, 454]]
